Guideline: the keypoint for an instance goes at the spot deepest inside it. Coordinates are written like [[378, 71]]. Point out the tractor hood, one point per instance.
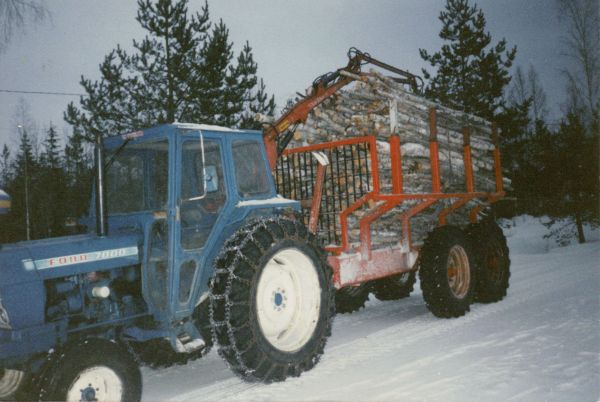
[[64, 256], [26, 265]]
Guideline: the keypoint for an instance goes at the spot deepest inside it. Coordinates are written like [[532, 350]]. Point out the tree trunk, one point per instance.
[[579, 223]]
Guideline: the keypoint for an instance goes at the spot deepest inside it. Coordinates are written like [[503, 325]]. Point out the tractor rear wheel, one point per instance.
[[92, 370], [447, 272], [351, 298], [272, 300], [10, 383], [395, 287], [491, 259]]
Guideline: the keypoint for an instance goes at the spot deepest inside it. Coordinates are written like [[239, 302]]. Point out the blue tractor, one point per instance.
[[191, 244]]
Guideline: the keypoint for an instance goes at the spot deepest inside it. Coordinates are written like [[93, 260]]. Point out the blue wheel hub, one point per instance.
[[278, 299], [89, 393]]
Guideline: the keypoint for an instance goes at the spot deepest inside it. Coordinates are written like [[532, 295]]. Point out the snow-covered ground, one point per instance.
[[542, 342]]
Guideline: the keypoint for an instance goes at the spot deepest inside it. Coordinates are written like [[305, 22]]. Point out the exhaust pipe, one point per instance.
[[101, 223]]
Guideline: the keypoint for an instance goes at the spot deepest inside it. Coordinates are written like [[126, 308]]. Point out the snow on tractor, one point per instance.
[[193, 245]]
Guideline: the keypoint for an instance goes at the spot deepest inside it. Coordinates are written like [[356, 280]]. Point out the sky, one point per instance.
[[293, 42]]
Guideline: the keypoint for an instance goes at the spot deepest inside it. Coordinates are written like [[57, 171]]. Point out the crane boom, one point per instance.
[[278, 135]]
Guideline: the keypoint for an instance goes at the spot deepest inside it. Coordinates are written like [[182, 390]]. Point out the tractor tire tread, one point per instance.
[[230, 318]]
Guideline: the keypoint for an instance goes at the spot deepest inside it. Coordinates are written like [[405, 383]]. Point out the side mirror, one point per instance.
[[211, 179]]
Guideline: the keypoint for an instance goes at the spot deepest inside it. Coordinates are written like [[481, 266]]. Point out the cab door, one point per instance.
[[201, 196]]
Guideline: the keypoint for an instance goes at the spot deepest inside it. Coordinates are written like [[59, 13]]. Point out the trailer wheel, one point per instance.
[[92, 370], [492, 261], [10, 383], [351, 298], [447, 272], [272, 300], [395, 287]]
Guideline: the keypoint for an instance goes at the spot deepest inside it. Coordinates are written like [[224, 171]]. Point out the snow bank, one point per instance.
[[526, 233]]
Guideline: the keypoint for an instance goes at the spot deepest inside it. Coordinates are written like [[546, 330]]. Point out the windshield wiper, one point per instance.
[[110, 160]]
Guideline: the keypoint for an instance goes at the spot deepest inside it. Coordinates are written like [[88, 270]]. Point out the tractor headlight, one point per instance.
[[4, 320]]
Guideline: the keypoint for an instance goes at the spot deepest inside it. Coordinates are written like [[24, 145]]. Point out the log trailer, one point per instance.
[[193, 245]]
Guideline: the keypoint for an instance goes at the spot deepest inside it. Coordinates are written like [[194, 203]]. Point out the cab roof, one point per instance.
[[159, 130]]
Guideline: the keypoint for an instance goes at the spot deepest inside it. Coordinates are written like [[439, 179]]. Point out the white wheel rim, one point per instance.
[[10, 380], [97, 383], [288, 300]]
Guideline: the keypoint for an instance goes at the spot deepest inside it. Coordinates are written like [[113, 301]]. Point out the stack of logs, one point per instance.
[[380, 106]]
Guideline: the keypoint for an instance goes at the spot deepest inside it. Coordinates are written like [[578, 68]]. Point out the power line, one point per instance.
[[41, 93]]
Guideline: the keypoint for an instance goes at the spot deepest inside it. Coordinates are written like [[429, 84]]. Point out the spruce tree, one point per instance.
[[78, 176], [5, 167], [470, 72], [50, 188], [571, 175], [182, 70], [24, 169]]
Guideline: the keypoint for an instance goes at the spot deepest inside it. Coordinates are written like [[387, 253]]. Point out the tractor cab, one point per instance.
[[185, 188]]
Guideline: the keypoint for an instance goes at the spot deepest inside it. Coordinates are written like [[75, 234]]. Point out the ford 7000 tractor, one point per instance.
[[77, 312]]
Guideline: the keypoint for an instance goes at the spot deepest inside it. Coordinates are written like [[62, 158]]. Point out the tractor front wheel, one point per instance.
[[92, 370], [272, 300], [10, 383]]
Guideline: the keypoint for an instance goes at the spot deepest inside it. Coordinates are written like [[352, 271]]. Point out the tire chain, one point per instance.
[[225, 263]]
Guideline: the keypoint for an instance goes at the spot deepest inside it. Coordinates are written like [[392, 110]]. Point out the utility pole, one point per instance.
[[27, 221]]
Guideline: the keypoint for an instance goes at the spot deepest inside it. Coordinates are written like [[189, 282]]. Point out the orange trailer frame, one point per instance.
[[355, 266]]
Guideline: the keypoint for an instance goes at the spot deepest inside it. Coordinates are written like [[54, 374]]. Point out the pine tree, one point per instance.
[[470, 73], [251, 98], [260, 104], [213, 82], [181, 71]]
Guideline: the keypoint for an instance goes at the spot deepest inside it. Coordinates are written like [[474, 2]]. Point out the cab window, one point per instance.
[[137, 178], [203, 193], [250, 169]]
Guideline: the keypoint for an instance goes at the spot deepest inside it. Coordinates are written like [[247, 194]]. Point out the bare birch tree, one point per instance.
[[16, 14], [582, 46]]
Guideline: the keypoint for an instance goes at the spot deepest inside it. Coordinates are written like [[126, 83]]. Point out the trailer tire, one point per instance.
[[492, 261], [92, 369], [395, 287], [351, 298], [11, 382], [447, 272], [272, 300]]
